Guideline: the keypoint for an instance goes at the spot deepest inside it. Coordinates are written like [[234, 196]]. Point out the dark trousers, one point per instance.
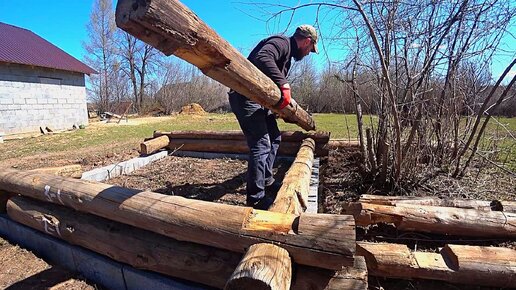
[[263, 139]]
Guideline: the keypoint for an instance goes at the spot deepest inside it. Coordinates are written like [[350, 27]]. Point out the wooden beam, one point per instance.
[[434, 219], [286, 136], [325, 241], [237, 146], [153, 145], [172, 28], [485, 205], [74, 170], [488, 266]]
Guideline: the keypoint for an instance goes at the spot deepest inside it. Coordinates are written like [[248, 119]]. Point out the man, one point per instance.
[[273, 57]]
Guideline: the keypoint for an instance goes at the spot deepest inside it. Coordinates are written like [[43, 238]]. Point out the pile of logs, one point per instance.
[[223, 246], [229, 142]]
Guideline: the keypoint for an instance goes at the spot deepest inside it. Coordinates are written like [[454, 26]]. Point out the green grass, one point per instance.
[[340, 126]]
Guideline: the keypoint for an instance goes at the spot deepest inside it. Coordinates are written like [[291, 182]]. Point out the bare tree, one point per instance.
[[101, 51]]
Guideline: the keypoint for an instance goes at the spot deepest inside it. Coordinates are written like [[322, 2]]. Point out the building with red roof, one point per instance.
[[40, 84]]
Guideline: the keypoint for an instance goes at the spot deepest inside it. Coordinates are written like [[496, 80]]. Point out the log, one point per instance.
[[434, 219], [153, 145], [279, 267], [137, 247], [223, 146], [255, 271], [343, 144], [293, 194], [325, 241], [319, 137], [484, 205], [172, 28], [475, 265], [295, 187], [144, 249], [74, 170]]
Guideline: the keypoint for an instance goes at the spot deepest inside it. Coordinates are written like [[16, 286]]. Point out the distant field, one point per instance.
[[340, 126]]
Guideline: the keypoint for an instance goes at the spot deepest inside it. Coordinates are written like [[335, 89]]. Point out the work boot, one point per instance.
[[263, 203], [273, 188]]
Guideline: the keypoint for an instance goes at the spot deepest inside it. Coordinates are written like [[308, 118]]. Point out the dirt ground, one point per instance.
[[21, 269]]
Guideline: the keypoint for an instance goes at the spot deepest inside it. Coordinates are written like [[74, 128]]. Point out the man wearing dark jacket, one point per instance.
[[273, 57]]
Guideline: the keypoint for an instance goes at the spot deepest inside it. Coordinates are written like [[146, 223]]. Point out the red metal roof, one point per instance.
[[22, 46]]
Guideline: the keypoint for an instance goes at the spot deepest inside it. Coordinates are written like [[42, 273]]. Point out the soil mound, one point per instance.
[[192, 109]]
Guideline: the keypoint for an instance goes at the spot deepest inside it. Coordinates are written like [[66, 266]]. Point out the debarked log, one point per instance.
[[127, 244], [486, 205], [153, 145], [73, 170], [475, 265], [319, 240], [236, 146], [172, 28], [150, 251], [319, 137], [434, 219]]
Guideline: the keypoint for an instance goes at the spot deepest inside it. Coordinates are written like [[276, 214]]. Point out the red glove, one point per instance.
[[285, 96]]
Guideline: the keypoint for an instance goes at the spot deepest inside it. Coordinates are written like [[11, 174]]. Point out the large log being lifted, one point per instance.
[[286, 136], [236, 146], [434, 219], [172, 28], [486, 205], [320, 240], [488, 266]]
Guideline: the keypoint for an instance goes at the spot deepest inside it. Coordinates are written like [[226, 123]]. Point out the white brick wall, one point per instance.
[[25, 106]]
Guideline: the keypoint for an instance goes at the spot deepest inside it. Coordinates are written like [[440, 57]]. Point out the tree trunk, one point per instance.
[[295, 188], [237, 146], [484, 205], [293, 194], [172, 28], [286, 136], [488, 266], [263, 267], [153, 145], [139, 248], [433, 219], [325, 241]]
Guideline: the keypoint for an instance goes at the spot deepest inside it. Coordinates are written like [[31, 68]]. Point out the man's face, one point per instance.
[[304, 48]]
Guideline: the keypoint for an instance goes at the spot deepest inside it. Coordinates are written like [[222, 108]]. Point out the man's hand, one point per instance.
[[285, 96]]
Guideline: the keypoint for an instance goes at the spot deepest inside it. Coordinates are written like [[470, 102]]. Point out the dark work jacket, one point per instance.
[[273, 57]]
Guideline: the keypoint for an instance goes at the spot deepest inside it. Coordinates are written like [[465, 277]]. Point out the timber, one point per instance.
[[295, 188], [172, 28], [278, 265], [319, 137], [293, 194], [127, 244], [74, 170], [485, 205], [237, 146], [319, 240], [150, 251], [343, 144], [153, 145], [257, 269], [475, 265], [434, 219]]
